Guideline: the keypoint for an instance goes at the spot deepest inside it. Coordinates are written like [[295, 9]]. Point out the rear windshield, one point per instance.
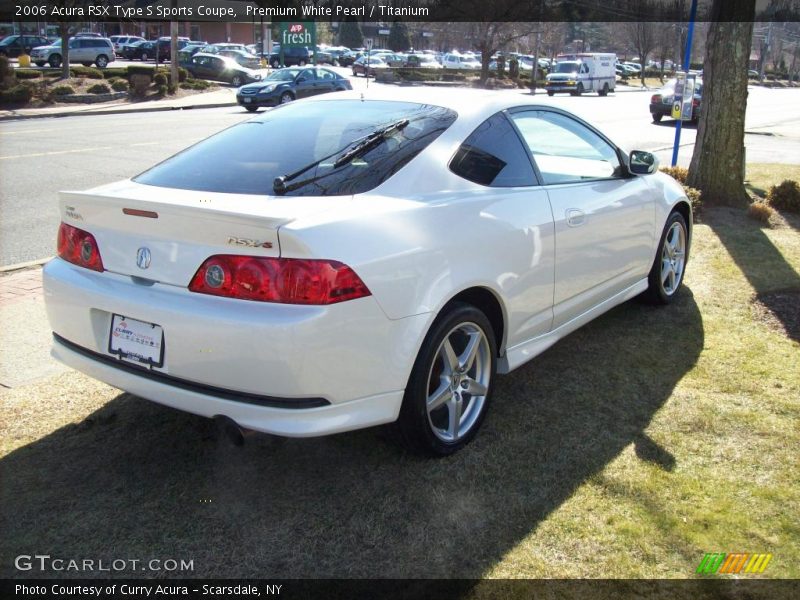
[[246, 158]]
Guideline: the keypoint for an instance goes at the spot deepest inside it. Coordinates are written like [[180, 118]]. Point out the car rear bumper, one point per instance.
[[284, 369]]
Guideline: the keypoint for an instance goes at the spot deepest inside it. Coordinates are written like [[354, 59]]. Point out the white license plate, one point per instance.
[[136, 341], [246, 100]]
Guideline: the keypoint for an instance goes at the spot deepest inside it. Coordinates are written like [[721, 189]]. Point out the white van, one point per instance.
[[585, 72]]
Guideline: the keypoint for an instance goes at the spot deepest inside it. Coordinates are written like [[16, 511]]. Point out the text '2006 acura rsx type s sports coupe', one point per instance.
[[354, 260]]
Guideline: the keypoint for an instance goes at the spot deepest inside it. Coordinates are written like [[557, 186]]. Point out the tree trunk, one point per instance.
[[64, 27], [717, 165]]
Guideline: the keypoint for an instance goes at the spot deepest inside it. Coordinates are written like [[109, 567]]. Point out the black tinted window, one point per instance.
[[493, 155], [246, 158]]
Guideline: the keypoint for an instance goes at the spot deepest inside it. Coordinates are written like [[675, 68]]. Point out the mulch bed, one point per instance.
[[780, 311]]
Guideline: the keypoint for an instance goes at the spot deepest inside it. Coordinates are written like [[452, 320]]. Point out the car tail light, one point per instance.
[[282, 280], [655, 99], [79, 247]]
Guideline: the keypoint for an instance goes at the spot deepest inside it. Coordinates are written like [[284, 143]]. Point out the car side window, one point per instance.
[[493, 155], [308, 74], [564, 149]]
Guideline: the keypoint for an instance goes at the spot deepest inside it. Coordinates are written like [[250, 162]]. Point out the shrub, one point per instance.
[[28, 74], [162, 90], [18, 94], [62, 90], [141, 70], [195, 84], [99, 88], [171, 89], [89, 72], [760, 211], [5, 67], [119, 85], [695, 198], [160, 79], [678, 173], [785, 196], [183, 74], [112, 72]]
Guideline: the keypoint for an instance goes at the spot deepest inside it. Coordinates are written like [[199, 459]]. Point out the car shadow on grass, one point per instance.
[[775, 281], [137, 480]]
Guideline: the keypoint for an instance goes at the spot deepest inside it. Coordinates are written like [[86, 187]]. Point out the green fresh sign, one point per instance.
[[298, 34]]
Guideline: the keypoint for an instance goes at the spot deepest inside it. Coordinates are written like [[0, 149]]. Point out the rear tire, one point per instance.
[[451, 384], [549, 93], [669, 266], [144, 56], [40, 63], [657, 118], [237, 81], [604, 91], [251, 108]]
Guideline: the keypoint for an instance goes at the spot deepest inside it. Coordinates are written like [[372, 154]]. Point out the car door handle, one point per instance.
[[575, 217]]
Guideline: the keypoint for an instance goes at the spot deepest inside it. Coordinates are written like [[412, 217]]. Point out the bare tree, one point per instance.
[[717, 166], [643, 35]]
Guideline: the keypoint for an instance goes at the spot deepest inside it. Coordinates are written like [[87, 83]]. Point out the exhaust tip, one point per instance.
[[231, 430]]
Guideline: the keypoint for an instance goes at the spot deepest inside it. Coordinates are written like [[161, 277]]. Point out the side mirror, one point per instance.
[[642, 163]]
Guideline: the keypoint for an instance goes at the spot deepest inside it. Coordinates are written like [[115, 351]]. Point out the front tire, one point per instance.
[[40, 63], [102, 61], [451, 384], [237, 81], [286, 97], [251, 108], [55, 61], [666, 275]]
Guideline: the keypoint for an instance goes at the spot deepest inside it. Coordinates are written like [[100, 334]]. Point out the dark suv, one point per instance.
[[14, 45], [291, 57]]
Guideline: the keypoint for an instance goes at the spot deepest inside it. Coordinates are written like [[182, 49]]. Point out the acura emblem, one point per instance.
[[143, 258]]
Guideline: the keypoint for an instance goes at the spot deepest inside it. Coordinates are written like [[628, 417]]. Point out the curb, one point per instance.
[[24, 265], [116, 111]]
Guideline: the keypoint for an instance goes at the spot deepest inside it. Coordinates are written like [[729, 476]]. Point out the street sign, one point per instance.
[[368, 43], [683, 101]]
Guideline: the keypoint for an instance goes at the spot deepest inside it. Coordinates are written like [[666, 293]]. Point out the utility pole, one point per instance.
[[173, 49], [765, 45], [535, 71]]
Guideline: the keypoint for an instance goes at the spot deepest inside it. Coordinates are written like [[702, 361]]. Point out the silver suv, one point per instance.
[[85, 50]]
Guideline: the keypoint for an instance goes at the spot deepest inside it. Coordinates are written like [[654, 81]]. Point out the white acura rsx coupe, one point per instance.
[[355, 259]]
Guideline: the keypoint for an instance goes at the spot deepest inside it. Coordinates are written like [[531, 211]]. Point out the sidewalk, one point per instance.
[[218, 98]]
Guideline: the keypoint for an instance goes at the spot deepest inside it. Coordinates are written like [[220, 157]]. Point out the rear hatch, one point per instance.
[[180, 228]]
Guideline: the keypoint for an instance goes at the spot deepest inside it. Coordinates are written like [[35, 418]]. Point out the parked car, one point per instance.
[[422, 61], [14, 45], [291, 57], [291, 83], [119, 41], [348, 57], [220, 68], [752, 74], [457, 61], [189, 50], [85, 50], [368, 66], [395, 60], [244, 59], [139, 51], [216, 48], [313, 235], [164, 47], [661, 102]]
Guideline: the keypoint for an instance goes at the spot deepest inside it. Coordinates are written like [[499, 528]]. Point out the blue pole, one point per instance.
[[686, 62]]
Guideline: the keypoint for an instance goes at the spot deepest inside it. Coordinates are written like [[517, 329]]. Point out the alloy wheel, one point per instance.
[[673, 258], [458, 382]]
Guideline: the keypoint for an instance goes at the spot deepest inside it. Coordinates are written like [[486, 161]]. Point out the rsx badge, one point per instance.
[[237, 241]]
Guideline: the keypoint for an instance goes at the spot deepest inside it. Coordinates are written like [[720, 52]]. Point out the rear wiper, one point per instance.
[[361, 147]]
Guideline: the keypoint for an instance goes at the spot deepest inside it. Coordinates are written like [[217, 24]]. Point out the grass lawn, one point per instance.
[[630, 449], [760, 176]]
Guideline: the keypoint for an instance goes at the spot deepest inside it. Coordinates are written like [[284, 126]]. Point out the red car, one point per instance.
[[368, 66]]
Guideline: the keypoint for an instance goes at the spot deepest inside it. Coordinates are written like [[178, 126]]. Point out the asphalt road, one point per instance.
[[42, 156]]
